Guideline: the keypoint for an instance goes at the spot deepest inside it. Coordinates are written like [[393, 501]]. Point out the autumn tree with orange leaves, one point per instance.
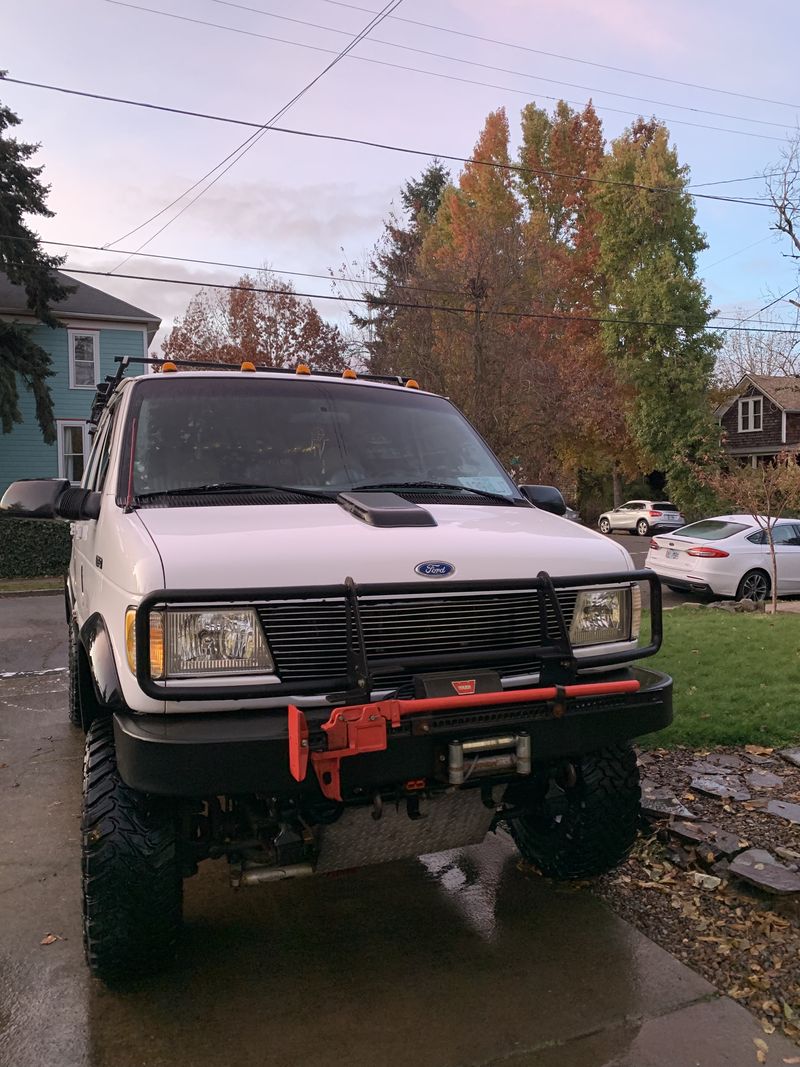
[[517, 299], [264, 321]]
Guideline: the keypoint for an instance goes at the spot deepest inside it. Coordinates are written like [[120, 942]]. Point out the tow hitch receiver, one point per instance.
[[360, 728]]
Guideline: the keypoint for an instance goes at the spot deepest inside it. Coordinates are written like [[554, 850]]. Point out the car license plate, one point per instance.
[[671, 553]]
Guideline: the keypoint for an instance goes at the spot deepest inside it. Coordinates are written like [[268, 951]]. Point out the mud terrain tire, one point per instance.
[[132, 885], [586, 828]]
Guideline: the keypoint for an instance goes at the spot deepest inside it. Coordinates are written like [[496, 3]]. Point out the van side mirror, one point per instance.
[[546, 497], [49, 498]]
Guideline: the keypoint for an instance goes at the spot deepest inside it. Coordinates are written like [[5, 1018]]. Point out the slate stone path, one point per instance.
[[754, 780], [715, 875]]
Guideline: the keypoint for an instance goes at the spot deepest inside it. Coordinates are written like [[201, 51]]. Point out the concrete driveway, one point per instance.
[[457, 959]]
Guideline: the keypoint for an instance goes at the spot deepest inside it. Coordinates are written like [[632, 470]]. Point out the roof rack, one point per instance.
[[106, 388], [202, 364]]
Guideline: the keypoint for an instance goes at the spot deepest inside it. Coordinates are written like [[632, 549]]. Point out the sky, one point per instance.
[[309, 205]]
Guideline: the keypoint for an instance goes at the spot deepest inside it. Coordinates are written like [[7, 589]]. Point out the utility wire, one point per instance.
[[377, 303], [329, 277], [515, 167], [730, 181], [738, 252], [368, 282], [570, 59], [429, 73], [233, 157], [766, 307], [504, 70]]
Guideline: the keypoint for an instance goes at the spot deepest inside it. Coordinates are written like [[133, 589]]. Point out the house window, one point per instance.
[[73, 449], [750, 412], [84, 359]]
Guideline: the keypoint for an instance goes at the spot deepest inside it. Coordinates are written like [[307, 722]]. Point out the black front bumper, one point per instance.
[[248, 752]]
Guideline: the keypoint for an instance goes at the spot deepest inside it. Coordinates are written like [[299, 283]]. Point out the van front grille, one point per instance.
[[308, 637]]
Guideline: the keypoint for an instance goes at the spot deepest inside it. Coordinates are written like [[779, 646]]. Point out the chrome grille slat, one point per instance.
[[307, 638]]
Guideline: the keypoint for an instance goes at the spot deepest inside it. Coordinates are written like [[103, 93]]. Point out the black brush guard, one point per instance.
[[559, 665]]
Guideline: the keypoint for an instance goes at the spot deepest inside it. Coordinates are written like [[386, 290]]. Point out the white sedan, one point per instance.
[[728, 556]]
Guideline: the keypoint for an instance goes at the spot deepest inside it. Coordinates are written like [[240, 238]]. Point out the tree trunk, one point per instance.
[[774, 561], [616, 478]]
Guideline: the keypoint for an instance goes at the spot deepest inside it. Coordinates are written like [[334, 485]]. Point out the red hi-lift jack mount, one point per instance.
[[360, 728]]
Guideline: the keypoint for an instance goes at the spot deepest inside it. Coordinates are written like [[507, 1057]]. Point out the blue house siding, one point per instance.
[[23, 453]]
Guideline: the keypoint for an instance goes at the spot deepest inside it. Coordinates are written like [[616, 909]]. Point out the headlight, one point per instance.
[[601, 616], [186, 644], [215, 642]]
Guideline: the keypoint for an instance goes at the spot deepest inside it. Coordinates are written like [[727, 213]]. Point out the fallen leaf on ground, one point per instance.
[[48, 939]]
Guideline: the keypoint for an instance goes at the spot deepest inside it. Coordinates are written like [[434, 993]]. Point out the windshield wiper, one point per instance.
[[233, 487], [451, 488]]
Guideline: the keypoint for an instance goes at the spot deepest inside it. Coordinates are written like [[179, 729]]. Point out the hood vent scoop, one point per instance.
[[384, 509]]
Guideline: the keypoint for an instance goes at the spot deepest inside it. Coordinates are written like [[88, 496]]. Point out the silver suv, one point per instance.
[[642, 517]]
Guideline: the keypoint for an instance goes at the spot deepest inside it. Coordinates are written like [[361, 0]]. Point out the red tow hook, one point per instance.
[[361, 728]]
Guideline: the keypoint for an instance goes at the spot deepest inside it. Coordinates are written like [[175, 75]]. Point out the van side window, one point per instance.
[[100, 456]]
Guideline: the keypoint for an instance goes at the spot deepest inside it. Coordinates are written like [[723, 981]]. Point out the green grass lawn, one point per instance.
[[737, 677]]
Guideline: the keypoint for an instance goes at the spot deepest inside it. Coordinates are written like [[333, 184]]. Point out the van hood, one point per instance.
[[274, 546]]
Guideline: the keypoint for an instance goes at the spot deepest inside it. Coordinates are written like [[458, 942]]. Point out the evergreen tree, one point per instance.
[[648, 246], [23, 261], [394, 265]]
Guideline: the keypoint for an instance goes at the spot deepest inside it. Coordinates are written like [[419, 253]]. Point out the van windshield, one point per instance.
[[329, 437]]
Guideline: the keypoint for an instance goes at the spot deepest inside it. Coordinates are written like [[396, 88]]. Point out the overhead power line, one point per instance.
[[376, 303], [330, 277], [738, 252], [766, 307], [429, 73], [391, 147], [570, 59], [233, 157], [503, 70]]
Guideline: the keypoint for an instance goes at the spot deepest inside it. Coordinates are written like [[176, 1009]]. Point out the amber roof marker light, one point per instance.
[[247, 367], [302, 368], [168, 368], [349, 373], [412, 383]]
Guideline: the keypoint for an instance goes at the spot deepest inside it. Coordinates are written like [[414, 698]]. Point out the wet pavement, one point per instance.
[[457, 959]]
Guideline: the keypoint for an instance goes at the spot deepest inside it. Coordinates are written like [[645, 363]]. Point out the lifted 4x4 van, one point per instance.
[[314, 625]]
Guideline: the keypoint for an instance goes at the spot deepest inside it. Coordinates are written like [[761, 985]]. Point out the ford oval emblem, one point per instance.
[[435, 568]]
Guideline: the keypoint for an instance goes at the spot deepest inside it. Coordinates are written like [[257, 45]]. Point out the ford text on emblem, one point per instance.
[[435, 568]]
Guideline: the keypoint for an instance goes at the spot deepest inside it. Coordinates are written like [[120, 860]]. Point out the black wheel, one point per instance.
[[643, 527], [132, 885], [604, 526], [586, 825], [754, 586]]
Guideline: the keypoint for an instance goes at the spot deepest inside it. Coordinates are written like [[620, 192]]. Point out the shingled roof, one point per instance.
[[84, 302], [782, 389]]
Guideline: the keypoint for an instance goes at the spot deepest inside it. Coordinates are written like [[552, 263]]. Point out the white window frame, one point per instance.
[[748, 405], [65, 424], [95, 335]]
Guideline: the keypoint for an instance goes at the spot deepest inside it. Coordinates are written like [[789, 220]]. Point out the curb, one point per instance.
[[29, 592]]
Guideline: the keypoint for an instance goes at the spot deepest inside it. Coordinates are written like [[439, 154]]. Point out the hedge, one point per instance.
[[33, 549]]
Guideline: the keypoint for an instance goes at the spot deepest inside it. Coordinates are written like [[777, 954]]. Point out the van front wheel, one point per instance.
[[587, 822], [132, 884]]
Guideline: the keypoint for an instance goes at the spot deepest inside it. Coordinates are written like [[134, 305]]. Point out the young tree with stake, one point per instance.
[[765, 492]]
